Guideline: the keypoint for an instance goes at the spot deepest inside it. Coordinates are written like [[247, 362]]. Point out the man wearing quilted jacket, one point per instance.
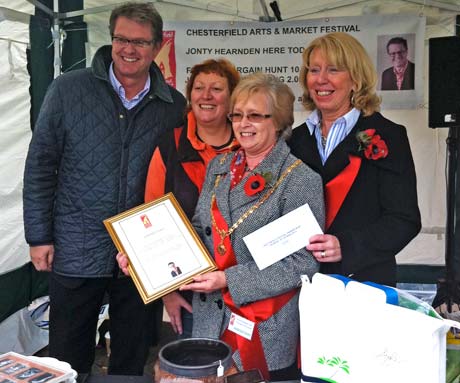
[[87, 161]]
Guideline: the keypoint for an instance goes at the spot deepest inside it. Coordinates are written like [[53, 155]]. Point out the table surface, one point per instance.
[[137, 379], [119, 379]]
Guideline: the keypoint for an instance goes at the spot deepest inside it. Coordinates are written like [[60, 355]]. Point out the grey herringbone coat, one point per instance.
[[246, 283]]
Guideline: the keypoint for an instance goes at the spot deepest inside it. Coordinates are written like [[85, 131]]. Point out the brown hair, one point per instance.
[[221, 67], [142, 13], [346, 52]]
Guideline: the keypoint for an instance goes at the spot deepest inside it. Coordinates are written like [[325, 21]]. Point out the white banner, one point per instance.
[[276, 48], [15, 136]]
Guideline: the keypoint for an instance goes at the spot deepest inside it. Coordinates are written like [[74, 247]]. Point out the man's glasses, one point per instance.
[[136, 43], [252, 117]]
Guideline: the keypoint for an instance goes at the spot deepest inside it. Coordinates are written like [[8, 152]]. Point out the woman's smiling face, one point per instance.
[[254, 137], [210, 98], [329, 87]]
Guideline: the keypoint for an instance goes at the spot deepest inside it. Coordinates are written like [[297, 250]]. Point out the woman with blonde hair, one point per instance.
[[364, 159]]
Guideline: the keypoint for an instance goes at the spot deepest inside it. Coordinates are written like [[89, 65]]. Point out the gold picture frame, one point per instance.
[[163, 249]]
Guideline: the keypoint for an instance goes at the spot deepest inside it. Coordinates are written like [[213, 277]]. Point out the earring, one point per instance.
[[352, 100]]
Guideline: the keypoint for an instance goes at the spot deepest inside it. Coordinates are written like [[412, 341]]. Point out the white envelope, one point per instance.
[[282, 237]]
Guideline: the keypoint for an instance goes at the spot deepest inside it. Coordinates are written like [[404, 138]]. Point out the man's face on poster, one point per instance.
[[398, 54]]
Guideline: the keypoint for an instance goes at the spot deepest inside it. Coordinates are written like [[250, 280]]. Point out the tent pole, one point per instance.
[[266, 16], [56, 39], [38, 4], [448, 290]]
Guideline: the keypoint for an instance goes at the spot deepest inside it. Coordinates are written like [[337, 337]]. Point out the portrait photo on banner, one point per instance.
[[396, 62]]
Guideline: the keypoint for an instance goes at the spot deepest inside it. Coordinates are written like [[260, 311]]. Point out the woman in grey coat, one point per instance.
[[253, 310]]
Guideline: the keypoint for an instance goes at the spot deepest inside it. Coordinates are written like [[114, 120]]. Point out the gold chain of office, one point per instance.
[[221, 249]]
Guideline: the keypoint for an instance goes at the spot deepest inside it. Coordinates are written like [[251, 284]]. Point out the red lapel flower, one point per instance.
[[372, 144], [254, 185]]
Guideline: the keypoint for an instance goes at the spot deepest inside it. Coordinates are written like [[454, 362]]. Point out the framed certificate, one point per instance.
[[163, 249]]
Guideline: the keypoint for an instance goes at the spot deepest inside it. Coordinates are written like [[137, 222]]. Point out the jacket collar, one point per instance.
[[186, 151], [158, 86], [339, 158], [190, 145]]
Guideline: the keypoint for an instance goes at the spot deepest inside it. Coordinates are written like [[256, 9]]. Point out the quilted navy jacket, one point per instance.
[[88, 160]]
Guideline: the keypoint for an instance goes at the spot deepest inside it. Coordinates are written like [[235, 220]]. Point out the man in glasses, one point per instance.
[[88, 161], [401, 75]]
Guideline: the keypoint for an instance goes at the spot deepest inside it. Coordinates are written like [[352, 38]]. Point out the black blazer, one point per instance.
[[380, 214], [175, 273], [389, 78]]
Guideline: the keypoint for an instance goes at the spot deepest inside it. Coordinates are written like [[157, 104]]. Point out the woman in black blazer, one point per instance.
[[364, 159]]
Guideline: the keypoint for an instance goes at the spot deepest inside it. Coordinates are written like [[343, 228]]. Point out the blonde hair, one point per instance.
[[346, 52], [280, 99]]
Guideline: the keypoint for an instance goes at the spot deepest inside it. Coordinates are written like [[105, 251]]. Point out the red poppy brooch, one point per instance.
[[372, 144], [256, 183]]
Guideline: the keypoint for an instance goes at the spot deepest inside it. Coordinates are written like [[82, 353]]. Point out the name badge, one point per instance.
[[241, 326]]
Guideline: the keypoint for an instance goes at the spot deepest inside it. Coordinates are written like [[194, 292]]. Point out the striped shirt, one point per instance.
[[128, 104], [339, 130]]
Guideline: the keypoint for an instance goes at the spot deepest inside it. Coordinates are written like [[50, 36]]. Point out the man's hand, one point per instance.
[[173, 303], [42, 257], [123, 263]]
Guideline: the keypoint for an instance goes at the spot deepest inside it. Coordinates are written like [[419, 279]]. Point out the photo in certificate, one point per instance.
[[163, 249]]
